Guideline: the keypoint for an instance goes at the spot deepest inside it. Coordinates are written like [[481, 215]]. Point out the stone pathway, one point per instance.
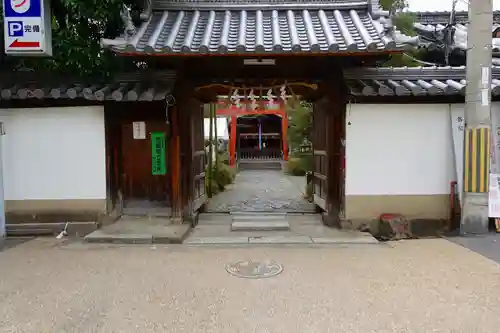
[[260, 191]]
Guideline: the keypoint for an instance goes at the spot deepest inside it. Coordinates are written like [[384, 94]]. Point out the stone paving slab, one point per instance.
[[296, 234], [216, 240], [280, 240], [140, 230], [99, 236], [345, 240]]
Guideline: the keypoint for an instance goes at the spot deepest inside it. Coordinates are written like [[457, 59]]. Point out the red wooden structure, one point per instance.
[[245, 109]]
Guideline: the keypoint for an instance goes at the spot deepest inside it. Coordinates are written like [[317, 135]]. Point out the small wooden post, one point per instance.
[[216, 144], [210, 152], [232, 142], [284, 134]]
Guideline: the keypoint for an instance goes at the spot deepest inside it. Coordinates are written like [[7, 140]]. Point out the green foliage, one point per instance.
[[401, 60], [77, 28], [401, 19], [224, 157], [393, 5], [299, 164], [299, 123], [404, 22], [222, 175]]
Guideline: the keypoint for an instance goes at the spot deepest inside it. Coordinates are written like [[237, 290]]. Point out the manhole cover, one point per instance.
[[254, 269]]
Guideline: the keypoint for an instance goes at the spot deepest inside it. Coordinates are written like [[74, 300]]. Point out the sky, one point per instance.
[[437, 5]]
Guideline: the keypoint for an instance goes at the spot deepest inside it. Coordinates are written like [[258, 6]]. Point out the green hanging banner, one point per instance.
[[159, 165]]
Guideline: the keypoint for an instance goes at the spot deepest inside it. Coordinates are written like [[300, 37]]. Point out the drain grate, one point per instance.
[[254, 269]]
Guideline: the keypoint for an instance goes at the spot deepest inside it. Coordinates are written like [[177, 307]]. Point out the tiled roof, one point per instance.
[[431, 27], [443, 17], [161, 5], [264, 27], [418, 81], [124, 89], [428, 33]]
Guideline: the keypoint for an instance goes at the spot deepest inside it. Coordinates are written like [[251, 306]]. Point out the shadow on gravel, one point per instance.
[[11, 242]]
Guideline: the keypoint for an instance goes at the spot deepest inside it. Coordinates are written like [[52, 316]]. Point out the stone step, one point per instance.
[[269, 225], [255, 213], [258, 217], [259, 165]]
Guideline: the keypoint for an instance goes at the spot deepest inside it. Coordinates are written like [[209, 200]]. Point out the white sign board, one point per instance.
[[27, 27], [458, 134], [139, 128], [494, 196]]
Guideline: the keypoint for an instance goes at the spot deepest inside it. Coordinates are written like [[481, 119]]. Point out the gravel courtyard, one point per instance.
[[410, 286]]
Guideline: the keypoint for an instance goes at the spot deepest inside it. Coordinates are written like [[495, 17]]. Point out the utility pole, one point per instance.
[[477, 143], [3, 232]]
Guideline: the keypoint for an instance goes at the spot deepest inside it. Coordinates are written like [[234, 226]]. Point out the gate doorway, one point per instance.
[[139, 166], [145, 190], [266, 179]]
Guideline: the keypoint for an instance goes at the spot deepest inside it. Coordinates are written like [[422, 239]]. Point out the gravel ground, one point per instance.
[[411, 286]]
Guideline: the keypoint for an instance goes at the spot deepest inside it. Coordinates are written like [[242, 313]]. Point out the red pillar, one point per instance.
[[284, 134], [232, 141]]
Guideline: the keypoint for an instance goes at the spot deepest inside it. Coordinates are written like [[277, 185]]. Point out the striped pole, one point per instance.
[[477, 157]]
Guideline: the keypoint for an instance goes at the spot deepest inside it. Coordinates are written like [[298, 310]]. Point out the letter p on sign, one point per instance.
[[16, 29]]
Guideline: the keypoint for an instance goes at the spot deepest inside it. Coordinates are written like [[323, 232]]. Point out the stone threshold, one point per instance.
[[270, 240]]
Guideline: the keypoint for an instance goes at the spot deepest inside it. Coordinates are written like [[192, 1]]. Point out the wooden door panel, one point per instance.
[[320, 154], [199, 158], [139, 183], [329, 153]]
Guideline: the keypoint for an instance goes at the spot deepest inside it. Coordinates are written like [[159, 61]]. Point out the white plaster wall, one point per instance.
[[54, 153], [395, 149]]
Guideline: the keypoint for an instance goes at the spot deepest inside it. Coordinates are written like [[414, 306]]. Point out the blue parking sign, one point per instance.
[[23, 8], [15, 28], [28, 27]]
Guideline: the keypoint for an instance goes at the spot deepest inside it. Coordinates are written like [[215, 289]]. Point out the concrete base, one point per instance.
[[77, 229], [140, 230], [474, 214]]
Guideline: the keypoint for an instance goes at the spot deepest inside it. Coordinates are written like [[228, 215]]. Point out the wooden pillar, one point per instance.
[[335, 108], [284, 135], [175, 153], [232, 141], [210, 151], [182, 127]]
